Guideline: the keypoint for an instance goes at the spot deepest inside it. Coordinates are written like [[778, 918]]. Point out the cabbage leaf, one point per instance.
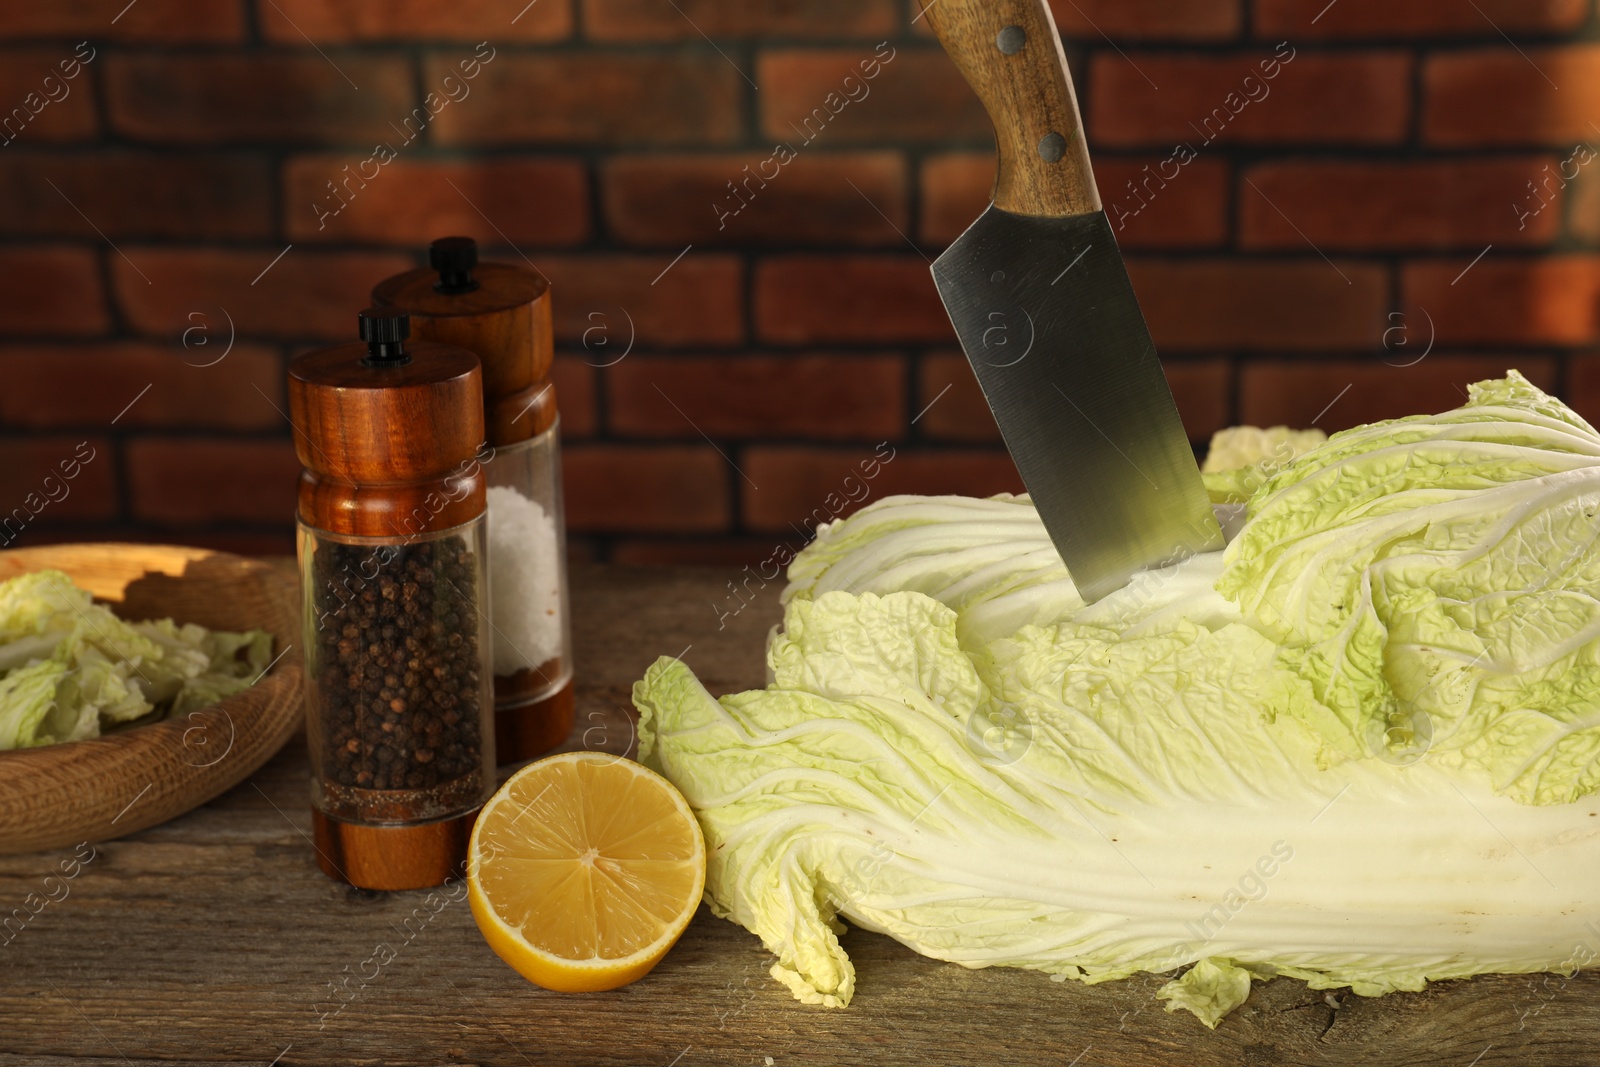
[[69, 667], [1358, 748]]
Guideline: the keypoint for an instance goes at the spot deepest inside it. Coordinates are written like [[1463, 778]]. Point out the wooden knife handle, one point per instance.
[[1010, 54]]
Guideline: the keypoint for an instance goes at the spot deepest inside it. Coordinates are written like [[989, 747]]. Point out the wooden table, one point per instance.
[[214, 940]]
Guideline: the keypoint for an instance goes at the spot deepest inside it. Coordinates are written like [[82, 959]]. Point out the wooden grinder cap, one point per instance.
[[499, 311], [387, 432]]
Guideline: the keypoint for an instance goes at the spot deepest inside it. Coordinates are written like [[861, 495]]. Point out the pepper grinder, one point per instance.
[[501, 312], [393, 557]]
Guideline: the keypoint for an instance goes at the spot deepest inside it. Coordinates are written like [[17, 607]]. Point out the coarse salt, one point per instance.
[[524, 582]]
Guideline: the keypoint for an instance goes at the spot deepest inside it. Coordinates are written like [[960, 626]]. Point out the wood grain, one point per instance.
[[415, 856], [387, 450], [525, 731], [137, 777], [506, 323], [1029, 97], [213, 940]]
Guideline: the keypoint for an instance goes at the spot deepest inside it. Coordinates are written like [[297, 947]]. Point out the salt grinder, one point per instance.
[[393, 556], [502, 313]]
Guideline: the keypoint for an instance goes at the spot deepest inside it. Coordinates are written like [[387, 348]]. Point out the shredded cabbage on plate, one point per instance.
[[69, 668], [1360, 746]]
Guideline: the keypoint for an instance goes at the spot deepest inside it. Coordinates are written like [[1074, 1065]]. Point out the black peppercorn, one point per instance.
[[397, 660]]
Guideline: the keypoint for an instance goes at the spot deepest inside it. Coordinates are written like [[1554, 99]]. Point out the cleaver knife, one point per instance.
[[1041, 301]]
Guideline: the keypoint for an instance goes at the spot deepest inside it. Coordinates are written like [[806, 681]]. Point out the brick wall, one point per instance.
[[1321, 230]]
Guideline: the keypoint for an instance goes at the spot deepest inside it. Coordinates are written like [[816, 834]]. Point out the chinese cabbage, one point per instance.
[[1358, 748]]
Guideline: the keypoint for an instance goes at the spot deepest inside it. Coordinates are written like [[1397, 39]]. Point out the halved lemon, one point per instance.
[[584, 869]]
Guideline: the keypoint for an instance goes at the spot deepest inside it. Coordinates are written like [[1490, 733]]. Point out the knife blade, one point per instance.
[[1041, 301]]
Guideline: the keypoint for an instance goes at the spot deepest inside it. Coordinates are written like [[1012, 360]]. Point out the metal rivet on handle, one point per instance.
[[1011, 39], [1052, 146]]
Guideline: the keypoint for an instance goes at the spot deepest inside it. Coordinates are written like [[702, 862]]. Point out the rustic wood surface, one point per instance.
[[214, 940]]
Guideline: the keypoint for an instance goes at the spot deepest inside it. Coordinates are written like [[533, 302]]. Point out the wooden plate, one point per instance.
[[145, 774]]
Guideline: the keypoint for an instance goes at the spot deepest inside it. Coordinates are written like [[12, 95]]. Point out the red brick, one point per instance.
[[1583, 219], [147, 21], [574, 382], [839, 397], [1177, 20], [1148, 210], [812, 299], [29, 115], [1203, 391], [248, 99], [51, 386], [1296, 392], [24, 465], [1360, 206], [918, 95], [950, 406], [180, 480], [1583, 386], [1261, 304], [919, 25], [306, 294], [1188, 211], [408, 202], [802, 487], [724, 552], [611, 304], [51, 290], [1549, 301], [660, 488], [1494, 96], [1339, 98], [647, 20], [134, 194], [960, 413], [671, 200], [293, 22], [956, 189], [595, 98], [1349, 19]]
